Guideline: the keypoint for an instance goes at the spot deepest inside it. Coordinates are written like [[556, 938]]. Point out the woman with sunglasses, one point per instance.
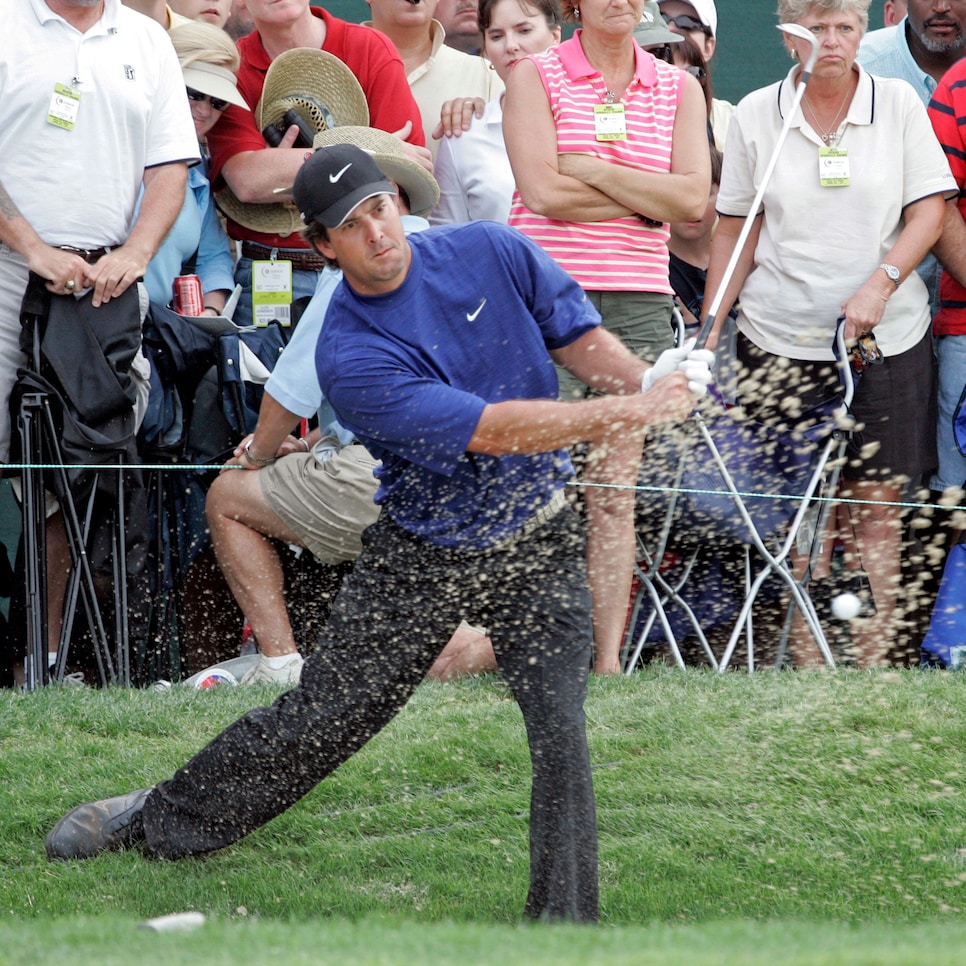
[[197, 243], [608, 144], [697, 22]]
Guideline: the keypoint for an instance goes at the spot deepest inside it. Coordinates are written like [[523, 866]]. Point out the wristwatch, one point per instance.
[[892, 272], [256, 460]]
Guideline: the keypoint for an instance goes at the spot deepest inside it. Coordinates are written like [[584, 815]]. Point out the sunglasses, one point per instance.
[[661, 53], [217, 104], [686, 23]]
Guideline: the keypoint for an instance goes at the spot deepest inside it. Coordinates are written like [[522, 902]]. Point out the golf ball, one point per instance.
[[846, 606], [176, 922]]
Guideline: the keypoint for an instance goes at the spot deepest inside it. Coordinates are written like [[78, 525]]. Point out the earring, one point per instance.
[[576, 13], [491, 66]]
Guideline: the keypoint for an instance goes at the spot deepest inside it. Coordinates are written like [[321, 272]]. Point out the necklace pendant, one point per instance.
[[611, 97]]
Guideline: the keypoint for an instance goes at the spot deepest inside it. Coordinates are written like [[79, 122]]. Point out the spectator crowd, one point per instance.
[[149, 156]]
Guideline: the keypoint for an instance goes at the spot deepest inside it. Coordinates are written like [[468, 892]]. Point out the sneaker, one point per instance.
[[88, 830], [264, 673]]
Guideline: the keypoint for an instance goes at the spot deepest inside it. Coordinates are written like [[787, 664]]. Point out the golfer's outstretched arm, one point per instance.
[[601, 361], [541, 425]]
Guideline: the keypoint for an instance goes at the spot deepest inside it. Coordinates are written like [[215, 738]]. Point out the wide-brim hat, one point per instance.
[[318, 85], [652, 31], [326, 93], [214, 81], [387, 151]]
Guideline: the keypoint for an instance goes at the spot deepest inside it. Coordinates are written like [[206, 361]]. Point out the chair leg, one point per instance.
[[35, 544], [41, 445], [119, 566]]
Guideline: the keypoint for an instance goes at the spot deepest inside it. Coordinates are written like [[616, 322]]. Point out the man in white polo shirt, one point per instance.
[[92, 107]]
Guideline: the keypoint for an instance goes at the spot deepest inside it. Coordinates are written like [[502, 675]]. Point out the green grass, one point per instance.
[[780, 817]]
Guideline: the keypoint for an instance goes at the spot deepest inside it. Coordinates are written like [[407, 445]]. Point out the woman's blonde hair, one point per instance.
[[792, 11], [200, 42]]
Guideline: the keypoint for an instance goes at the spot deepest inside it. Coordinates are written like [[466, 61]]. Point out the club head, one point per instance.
[[803, 33], [797, 30]]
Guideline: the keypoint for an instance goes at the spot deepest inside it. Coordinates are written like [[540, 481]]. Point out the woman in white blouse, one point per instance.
[[475, 180]]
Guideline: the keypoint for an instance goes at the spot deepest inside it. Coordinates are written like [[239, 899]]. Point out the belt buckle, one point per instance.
[[90, 255]]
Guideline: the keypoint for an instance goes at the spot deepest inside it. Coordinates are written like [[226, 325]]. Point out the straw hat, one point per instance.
[[387, 151], [318, 85], [326, 93]]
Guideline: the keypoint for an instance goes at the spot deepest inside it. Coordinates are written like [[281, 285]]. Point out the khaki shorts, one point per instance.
[[327, 505], [641, 320]]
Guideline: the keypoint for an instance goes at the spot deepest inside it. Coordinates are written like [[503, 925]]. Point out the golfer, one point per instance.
[[437, 353]]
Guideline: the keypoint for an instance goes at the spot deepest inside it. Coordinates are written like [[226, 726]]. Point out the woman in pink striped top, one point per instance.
[[608, 145]]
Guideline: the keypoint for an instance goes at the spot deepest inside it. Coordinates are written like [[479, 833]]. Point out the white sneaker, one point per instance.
[[264, 673], [73, 680]]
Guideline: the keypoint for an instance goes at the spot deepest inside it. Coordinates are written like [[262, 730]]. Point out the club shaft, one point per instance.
[[732, 265]]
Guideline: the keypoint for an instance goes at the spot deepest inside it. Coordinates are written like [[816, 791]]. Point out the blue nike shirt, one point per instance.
[[410, 373]]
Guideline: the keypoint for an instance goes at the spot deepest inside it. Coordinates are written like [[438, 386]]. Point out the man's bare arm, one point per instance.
[[951, 247], [57, 266], [542, 425], [600, 360], [272, 436]]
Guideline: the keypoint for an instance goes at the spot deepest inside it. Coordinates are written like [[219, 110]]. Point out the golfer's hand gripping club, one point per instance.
[[694, 363]]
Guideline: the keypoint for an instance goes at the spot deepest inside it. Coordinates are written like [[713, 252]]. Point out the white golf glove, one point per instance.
[[694, 363], [697, 368]]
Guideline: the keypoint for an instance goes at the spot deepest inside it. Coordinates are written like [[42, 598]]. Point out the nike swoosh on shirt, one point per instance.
[[334, 178], [471, 317]]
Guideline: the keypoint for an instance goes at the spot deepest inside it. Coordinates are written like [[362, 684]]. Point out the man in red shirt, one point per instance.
[[947, 111], [240, 156]]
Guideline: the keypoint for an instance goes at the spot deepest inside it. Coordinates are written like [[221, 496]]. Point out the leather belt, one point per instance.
[[302, 261], [543, 515], [90, 255]]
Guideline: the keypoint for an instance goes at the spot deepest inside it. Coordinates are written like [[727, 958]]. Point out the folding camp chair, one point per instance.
[[742, 483], [73, 443], [659, 609]]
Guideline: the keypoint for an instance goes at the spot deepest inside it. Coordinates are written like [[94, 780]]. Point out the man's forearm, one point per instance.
[[163, 198], [951, 247], [253, 176], [542, 425], [57, 266], [599, 359], [275, 423], [15, 231]]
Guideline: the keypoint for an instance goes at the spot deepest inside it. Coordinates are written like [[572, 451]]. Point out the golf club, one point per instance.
[[803, 33]]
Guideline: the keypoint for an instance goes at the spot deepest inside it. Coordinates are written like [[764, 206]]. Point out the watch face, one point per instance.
[[892, 272]]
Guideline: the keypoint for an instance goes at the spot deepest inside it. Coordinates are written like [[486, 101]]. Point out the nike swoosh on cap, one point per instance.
[[334, 178]]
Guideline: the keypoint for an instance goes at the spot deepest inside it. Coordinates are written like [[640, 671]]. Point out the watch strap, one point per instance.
[[892, 272]]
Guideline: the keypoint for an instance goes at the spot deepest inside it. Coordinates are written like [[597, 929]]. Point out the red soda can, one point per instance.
[[188, 298]]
